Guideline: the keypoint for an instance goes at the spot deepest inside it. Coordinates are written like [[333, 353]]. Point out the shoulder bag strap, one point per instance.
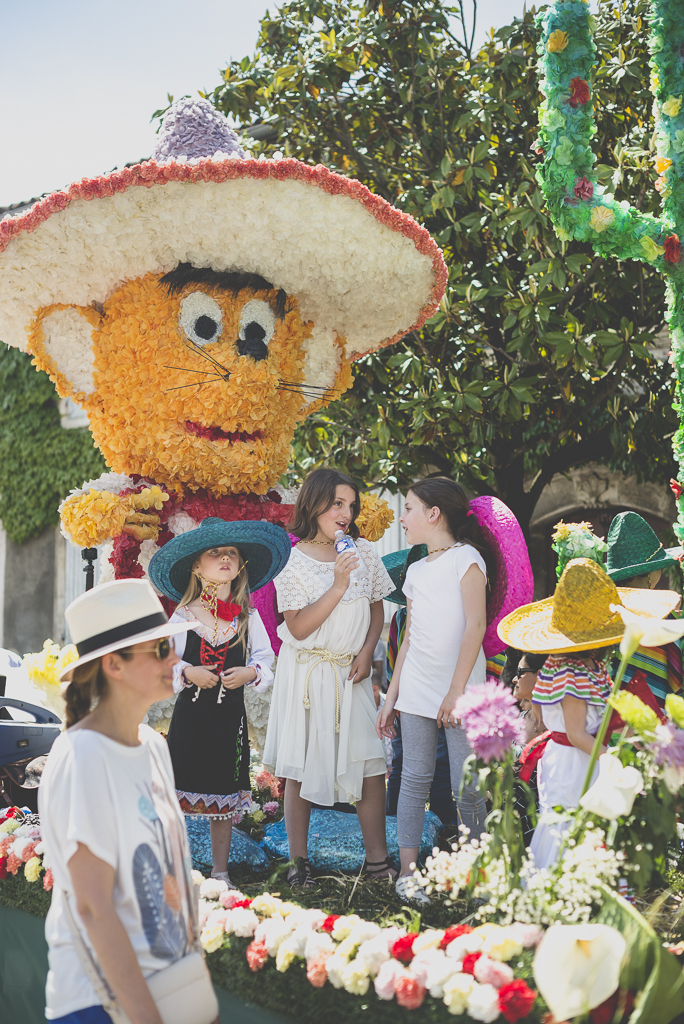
[[91, 970]]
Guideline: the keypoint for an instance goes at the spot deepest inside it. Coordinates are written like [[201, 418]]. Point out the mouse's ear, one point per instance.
[[327, 370], [61, 340]]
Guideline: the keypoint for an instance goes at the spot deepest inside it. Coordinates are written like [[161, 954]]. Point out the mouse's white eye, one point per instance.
[[257, 327], [201, 318]]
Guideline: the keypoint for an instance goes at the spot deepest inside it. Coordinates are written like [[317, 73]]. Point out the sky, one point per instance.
[[80, 80]]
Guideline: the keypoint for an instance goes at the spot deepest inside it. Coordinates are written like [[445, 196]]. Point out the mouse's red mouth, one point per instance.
[[216, 434]]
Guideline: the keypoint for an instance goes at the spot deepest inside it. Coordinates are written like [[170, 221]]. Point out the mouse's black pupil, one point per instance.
[[205, 327]]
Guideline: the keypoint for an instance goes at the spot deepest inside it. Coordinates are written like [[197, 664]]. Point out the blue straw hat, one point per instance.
[[397, 563], [265, 549]]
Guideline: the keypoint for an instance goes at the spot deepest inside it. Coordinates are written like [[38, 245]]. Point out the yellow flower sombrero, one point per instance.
[[578, 617]]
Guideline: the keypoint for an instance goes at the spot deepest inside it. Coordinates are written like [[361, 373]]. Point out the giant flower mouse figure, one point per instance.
[[198, 306]]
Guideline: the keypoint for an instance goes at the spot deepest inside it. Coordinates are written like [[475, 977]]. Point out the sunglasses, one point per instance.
[[524, 672], [161, 649]]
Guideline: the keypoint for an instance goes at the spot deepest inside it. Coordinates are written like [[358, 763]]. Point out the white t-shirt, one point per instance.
[[437, 627], [120, 803]]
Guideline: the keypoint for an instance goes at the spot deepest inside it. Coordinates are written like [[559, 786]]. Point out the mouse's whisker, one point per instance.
[[194, 347], [188, 369], [197, 384]]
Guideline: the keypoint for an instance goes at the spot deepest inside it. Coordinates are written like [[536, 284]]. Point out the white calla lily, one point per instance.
[[642, 632], [614, 792], [577, 967]]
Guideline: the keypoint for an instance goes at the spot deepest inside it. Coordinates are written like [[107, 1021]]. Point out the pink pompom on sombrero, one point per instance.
[[514, 583]]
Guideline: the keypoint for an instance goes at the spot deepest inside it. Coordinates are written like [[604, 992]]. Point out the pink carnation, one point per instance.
[[409, 992], [271, 808], [5, 845], [315, 968], [263, 779], [257, 955], [237, 817], [13, 864], [231, 897], [387, 977], [48, 880], [491, 972], [527, 935], [29, 851], [489, 715]]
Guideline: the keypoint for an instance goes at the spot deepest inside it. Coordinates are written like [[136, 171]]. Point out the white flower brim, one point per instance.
[[359, 267], [168, 629]]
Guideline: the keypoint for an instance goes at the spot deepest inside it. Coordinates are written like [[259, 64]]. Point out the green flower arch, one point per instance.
[[579, 207]]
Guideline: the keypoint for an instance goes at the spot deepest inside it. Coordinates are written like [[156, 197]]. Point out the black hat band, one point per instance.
[[129, 629]]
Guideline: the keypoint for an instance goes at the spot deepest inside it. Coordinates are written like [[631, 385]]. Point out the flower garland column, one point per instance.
[[579, 207]]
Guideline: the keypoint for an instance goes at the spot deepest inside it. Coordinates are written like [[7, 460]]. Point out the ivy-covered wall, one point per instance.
[[40, 461]]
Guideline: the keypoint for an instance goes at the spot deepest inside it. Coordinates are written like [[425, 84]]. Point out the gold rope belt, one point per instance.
[[319, 655]]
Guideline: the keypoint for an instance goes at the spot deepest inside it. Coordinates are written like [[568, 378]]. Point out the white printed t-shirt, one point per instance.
[[118, 801], [437, 627]]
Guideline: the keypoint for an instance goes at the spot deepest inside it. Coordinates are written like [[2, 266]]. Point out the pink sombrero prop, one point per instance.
[[360, 268]]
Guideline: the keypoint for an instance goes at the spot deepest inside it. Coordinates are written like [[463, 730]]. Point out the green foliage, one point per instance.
[[16, 892], [39, 461], [540, 358]]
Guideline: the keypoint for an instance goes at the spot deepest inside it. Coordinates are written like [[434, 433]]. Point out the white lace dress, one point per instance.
[[331, 745]]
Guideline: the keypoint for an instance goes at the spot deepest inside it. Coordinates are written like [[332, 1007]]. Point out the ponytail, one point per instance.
[[452, 501], [88, 684]]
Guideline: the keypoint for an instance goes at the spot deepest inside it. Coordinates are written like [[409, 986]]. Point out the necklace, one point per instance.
[[323, 543], [448, 548], [209, 599]]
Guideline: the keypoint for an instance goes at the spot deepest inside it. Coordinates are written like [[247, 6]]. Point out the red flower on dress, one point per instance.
[[516, 1000], [584, 189], [403, 948], [469, 961], [453, 933], [579, 92], [673, 249], [329, 923]]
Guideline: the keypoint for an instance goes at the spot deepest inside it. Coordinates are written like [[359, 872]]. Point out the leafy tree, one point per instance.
[[541, 357]]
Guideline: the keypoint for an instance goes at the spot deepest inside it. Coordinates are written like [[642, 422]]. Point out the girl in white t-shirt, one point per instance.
[[440, 656]]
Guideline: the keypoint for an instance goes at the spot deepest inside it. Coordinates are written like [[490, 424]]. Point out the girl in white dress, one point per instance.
[[321, 731]]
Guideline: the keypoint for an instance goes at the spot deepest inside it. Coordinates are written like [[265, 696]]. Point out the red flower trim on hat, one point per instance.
[[150, 173]]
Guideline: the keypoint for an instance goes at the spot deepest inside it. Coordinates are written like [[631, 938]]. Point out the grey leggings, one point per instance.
[[419, 738]]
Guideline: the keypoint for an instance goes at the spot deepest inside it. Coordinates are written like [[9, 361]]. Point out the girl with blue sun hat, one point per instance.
[[210, 572]]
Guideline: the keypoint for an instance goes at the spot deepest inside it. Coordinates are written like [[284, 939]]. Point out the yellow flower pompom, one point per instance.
[[45, 667], [671, 105], [601, 218], [635, 713], [374, 518], [557, 41], [266, 905], [674, 706], [212, 937], [9, 826], [90, 518], [284, 957], [651, 249], [32, 869], [662, 164]]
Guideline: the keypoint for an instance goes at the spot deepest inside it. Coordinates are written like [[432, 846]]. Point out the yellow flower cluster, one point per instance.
[[635, 713], [266, 905], [32, 869], [374, 518], [662, 164], [92, 518], [9, 826], [45, 667], [212, 937], [674, 706], [651, 249], [564, 531], [601, 218], [672, 105], [557, 41]]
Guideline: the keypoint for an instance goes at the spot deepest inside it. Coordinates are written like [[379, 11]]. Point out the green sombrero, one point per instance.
[[265, 549], [634, 548], [397, 563]]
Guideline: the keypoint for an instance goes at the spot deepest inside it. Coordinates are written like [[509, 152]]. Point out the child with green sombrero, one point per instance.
[[636, 558]]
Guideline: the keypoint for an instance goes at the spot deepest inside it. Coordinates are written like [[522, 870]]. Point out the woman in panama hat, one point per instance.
[[210, 572], [577, 628], [123, 904]]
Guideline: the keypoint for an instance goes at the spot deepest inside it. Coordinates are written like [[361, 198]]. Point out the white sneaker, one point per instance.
[[408, 889], [223, 876]]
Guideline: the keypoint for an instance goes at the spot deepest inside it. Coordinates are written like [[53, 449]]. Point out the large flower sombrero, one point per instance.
[[360, 268]]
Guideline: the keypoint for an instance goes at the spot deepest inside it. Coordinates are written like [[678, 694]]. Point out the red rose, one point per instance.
[[579, 92], [584, 189], [673, 249], [403, 948], [469, 961], [453, 933], [3, 867], [676, 488], [329, 923], [516, 999]]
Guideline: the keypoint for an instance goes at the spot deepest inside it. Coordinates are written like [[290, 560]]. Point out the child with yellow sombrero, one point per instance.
[[577, 628]]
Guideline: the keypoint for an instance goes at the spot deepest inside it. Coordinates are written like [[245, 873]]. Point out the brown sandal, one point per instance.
[[300, 874], [379, 870]]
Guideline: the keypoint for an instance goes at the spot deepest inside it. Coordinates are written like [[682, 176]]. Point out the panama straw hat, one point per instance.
[[360, 269], [265, 549], [634, 548], [116, 615], [578, 616]]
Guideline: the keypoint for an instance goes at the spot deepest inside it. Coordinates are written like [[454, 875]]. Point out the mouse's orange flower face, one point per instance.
[[196, 379]]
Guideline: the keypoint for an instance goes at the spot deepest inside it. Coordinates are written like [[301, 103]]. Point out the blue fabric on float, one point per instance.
[[243, 849], [336, 843]]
